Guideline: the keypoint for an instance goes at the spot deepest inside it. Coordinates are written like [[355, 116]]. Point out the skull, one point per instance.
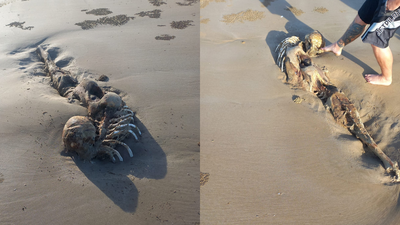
[[79, 136], [313, 43]]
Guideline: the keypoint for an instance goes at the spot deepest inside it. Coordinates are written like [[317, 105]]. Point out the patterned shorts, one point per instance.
[[383, 24]]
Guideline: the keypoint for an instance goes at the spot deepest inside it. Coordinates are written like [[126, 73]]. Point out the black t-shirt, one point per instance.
[[367, 10]]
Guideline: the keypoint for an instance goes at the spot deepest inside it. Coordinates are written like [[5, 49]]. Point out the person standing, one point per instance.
[[384, 19]]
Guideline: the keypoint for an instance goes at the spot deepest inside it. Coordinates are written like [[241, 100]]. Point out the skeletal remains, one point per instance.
[[109, 122], [294, 59]]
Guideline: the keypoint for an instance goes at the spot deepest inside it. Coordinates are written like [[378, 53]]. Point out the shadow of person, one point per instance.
[[116, 180], [295, 27]]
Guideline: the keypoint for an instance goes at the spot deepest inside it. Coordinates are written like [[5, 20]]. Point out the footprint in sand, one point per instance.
[[187, 2], [19, 25], [248, 15], [151, 14], [165, 37], [157, 2], [321, 10], [117, 20], [204, 178], [99, 12], [204, 3], [205, 21], [181, 24], [114, 21]]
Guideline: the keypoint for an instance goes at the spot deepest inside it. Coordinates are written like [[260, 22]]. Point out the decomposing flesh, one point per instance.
[[294, 58], [109, 120]]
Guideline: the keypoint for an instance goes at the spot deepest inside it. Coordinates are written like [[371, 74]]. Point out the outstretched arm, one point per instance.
[[355, 29], [352, 33]]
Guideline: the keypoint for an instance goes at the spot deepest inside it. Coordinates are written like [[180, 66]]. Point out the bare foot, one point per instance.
[[334, 47], [377, 79]]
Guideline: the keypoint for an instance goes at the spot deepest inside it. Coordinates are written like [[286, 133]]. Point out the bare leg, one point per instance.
[[355, 29], [384, 57]]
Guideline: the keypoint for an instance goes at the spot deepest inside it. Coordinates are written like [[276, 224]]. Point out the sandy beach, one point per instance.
[[266, 159], [149, 50]]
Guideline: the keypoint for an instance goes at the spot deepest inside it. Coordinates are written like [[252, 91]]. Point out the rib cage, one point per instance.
[[109, 120]]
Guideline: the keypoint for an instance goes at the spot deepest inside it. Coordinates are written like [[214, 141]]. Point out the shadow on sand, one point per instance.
[[116, 180]]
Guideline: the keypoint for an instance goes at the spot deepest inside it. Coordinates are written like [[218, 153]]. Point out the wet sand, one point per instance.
[[158, 78], [270, 160]]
